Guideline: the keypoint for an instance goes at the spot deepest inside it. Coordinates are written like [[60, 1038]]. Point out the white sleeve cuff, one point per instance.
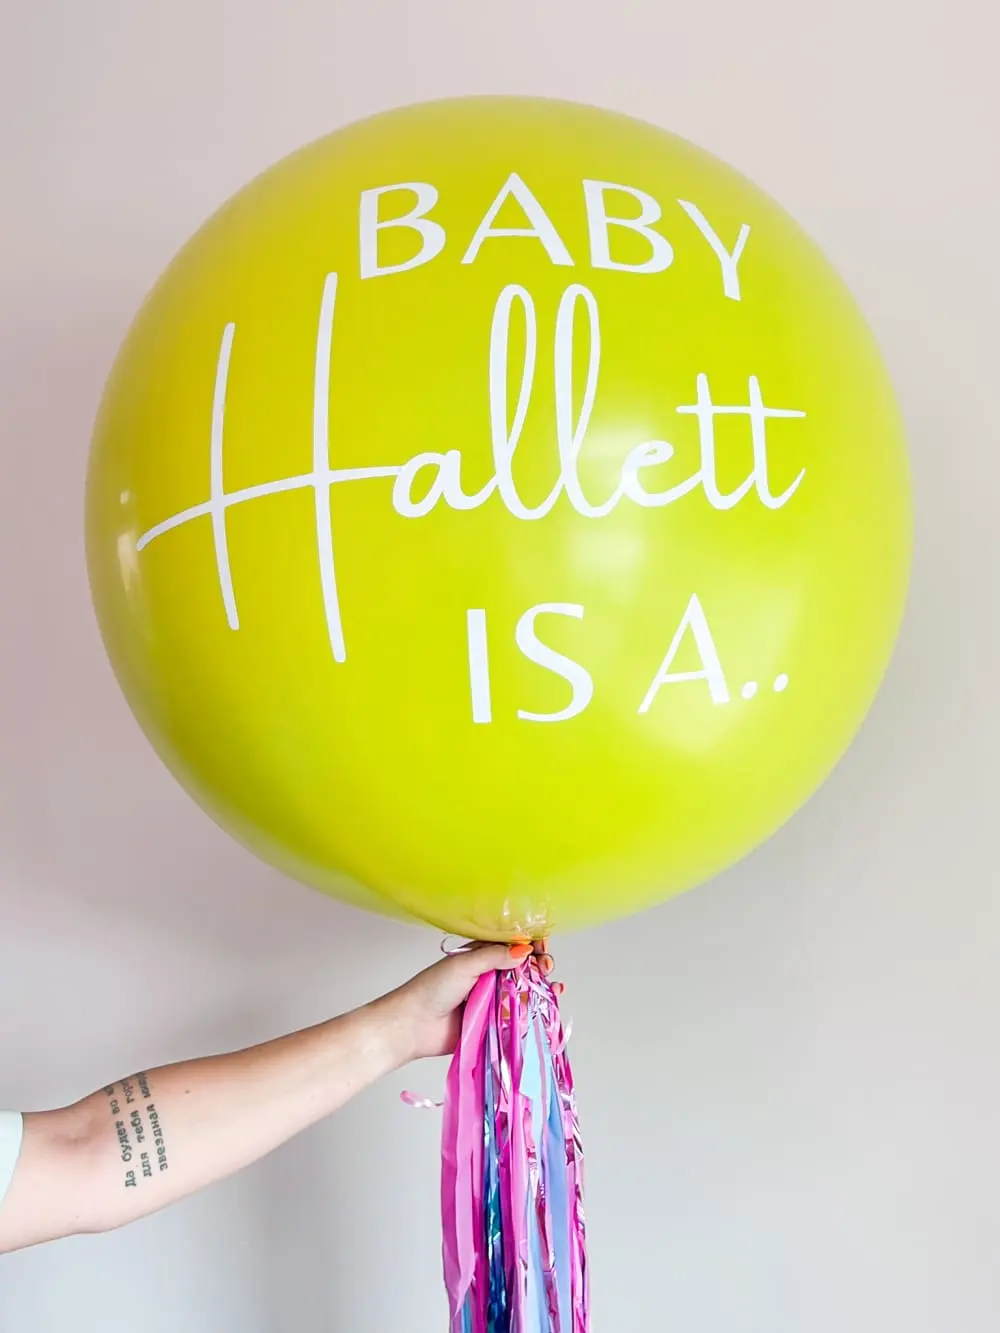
[[11, 1131]]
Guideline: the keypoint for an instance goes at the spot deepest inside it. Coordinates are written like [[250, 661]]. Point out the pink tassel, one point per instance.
[[511, 1064]]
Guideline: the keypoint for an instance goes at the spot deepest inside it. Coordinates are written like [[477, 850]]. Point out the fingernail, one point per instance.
[[559, 987], [547, 963], [519, 952]]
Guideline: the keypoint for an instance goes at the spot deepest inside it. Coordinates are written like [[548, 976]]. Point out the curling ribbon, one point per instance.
[[515, 1253]]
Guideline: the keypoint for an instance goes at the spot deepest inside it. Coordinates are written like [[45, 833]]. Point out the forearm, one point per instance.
[[147, 1141]]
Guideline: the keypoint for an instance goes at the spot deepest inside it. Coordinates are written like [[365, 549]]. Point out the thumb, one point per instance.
[[491, 958]]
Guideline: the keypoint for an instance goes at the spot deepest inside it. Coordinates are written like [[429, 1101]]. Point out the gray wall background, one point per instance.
[[789, 1079]]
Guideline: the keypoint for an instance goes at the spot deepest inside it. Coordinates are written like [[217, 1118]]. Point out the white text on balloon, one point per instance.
[[505, 433], [578, 677], [541, 228]]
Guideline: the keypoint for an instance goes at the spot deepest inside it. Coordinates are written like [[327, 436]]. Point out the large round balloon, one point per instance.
[[499, 513]]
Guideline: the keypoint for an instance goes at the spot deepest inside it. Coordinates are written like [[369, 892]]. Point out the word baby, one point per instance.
[[540, 227]]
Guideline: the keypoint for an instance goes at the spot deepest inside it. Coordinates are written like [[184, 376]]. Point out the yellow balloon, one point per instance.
[[499, 513]]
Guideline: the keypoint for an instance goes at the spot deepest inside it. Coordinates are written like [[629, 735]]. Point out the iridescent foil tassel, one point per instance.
[[515, 1254]]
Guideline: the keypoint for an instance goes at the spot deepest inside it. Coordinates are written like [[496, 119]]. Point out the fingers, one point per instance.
[[545, 961], [480, 957], [539, 950], [518, 953]]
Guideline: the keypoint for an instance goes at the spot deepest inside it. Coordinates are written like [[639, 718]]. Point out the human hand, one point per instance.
[[425, 1015]]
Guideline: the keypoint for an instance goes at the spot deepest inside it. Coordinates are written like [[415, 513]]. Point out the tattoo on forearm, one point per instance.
[[161, 1149], [141, 1144]]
